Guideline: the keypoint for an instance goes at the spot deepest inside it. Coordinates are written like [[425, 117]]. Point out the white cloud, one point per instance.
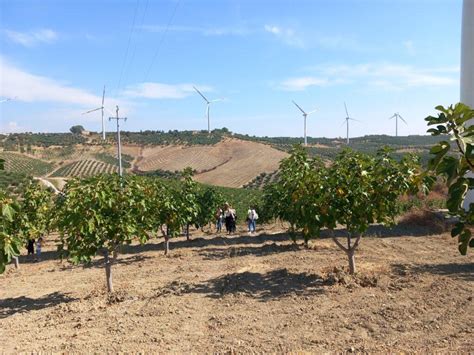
[[302, 83], [152, 90], [15, 82], [32, 38], [287, 35], [11, 127], [383, 75]]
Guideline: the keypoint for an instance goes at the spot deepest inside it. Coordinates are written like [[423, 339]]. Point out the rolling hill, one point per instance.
[[222, 159]]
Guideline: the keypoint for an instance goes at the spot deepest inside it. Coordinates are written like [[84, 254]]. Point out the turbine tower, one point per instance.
[[467, 53], [102, 110], [467, 69], [347, 122], [208, 106], [397, 116], [304, 116]]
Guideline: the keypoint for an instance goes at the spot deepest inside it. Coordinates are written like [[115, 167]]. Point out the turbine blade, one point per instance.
[[345, 106], [200, 93], [310, 112], [216, 100], [111, 112], [96, 109], [392, 117], [304, 113], [403, 119], [103, 96], [343, 123], [354, 119]]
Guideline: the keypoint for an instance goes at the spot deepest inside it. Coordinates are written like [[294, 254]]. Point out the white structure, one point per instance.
[[208, 106], [397, 116], [347, 123], [467, 66], [102, 110], [304, 116], [467, 53]]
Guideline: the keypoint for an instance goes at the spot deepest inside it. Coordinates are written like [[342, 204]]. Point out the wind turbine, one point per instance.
[[397, 116], [304, 116], [102, 110], [208, 105], [347, 122]]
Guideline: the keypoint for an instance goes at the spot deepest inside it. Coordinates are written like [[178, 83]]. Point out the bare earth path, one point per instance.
[[246, 294]]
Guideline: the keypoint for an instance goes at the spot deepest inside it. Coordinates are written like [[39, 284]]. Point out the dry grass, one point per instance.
[[433, 221]]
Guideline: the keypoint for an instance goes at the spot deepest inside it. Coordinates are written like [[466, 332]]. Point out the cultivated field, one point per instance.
[[246, 294], [84, 168], [249, 159], [19, 163], [229, 163]]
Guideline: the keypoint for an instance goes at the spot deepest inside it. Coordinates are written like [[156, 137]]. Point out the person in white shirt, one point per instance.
[[252, 217]]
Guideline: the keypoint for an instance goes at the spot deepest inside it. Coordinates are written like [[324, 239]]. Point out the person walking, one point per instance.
[[230, 218], [219, 219], [39, 245], [30, 246], [252, 217]]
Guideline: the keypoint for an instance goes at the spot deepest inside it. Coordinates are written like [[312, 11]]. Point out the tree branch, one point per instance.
[[338, 243], [356, 244]]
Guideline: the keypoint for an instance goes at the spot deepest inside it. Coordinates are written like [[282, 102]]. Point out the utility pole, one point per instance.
[[119, 144]]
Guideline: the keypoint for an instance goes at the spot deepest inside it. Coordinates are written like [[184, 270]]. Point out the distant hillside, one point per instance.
[[222, 158]]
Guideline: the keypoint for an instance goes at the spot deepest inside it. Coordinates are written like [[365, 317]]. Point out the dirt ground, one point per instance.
[[247, 294]]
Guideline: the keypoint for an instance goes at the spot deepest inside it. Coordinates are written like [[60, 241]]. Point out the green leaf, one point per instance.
[[457, 193], [448, 166], [464, 241], [457, 229], [8, 212]]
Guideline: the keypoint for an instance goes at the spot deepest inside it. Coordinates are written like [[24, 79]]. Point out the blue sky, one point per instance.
[[378, 56]]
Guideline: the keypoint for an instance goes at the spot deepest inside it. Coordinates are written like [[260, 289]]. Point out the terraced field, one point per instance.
[[262, 180], [83, 168], [248, 160], [200, 158], [19, 163], [230, 163]]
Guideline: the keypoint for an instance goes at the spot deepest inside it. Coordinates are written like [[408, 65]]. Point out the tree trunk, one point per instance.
[[167, 244], [17, 262], [351, 257], [108, 271], [349, 250], [187, 231]]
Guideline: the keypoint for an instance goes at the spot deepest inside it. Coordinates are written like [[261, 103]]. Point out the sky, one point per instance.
[[377, 56]]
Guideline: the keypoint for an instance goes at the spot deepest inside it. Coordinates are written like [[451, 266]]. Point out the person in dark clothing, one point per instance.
[[230, 217], [31, 247]]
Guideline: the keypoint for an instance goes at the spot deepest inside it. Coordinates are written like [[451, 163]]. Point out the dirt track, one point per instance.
[[246, 294]]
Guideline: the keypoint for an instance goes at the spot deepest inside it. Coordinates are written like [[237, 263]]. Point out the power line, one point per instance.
[[140, 27], [163, 34], [128, 47]]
